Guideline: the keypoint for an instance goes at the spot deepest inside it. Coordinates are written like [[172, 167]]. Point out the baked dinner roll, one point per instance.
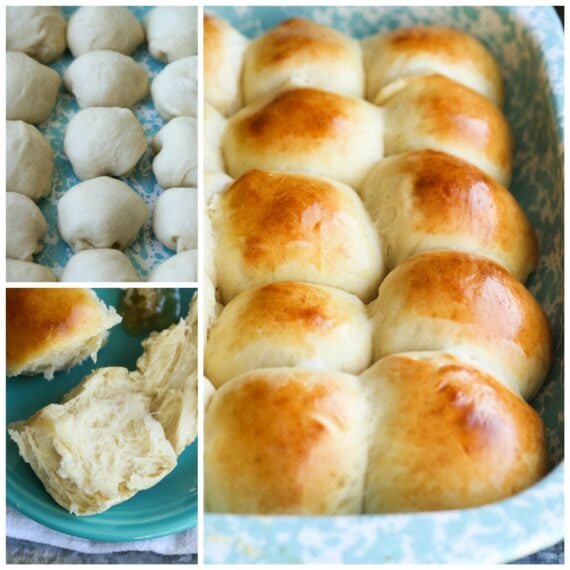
[[446, 435], [274, 226], [286, 441], [306, 52], [54, 329], [438, 113], [424, 50], [289, 324], [306, 130], [426, 200], [214, 126], [447, 300], [224, 49]]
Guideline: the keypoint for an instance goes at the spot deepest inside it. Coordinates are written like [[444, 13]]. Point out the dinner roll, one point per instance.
[[214, 126], [180, 268], [286, 441], [438, 113], [453, 300], [306, 130], [424, 200], [99, 265], [29, 160], [446, 435], [31, 88], [273, 226], [54, 329], [224, 49], [306, 52], [175, 219], [208, 390], [172, 32], [25, 271], [26, 227], [93, 28], [38, 31], [424, 50], [289, 324]]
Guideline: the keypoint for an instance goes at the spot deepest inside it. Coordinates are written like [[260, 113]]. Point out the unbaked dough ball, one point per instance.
[[171, 32], [180, 268], [103, 27], [29, 160], [106, 79], [175, 89], [176, 162], [175, 220], [214, 125], [31, 88], [25, 271], [26, 227], [100, 213], [104, 140], [99, 265], [38, 31]]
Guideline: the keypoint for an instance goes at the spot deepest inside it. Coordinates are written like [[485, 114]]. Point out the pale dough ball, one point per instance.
[[26, 227], [25, 271], [100, 213], [38, 31], [31, 88], [100, 265], [94, 28], [182, 267], [175, 220], [104, 140], [175, 145], [175, 89], [214, 126], [171, 32], [106, 79], [29, 160]]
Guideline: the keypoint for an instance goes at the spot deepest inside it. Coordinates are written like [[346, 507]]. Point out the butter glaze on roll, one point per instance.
[[306, 53], [286, 441], [449, 300], [273, 226], [424, 50], [428, 200], [308, 131], [446, 435], [289, 324], [438, 113]]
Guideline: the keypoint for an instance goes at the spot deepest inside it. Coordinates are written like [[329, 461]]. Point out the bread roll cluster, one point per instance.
[[377, 346]]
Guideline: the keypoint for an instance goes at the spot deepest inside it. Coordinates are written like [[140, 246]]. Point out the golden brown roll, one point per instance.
[[53, 329], [286, 441], [426, 200], [306, 130], [224, 49], [435, 112], [424, 50], [273, 226], [446, 300], [214, 126], [446, 435], [306, 53], [289, 324]]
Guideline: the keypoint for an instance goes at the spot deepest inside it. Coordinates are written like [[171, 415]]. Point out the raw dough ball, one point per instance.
[[182, 267], [38, 31], [100, 213], [99, 265], [25, 227], [106, 79], [175, 144], [29, 160], [214, 126], [103, 27], [175, 220], [17, 270], [172, 32], [175, 89], [104, 140], [31, 88]]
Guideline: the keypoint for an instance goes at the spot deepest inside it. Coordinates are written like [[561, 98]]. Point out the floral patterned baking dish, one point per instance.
[[528, 43]]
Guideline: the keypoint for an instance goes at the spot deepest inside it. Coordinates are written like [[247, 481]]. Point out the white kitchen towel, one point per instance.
[[21, 527]]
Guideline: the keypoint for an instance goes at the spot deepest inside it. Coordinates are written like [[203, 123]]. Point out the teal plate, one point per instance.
[[528, 42], [167, 508]]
